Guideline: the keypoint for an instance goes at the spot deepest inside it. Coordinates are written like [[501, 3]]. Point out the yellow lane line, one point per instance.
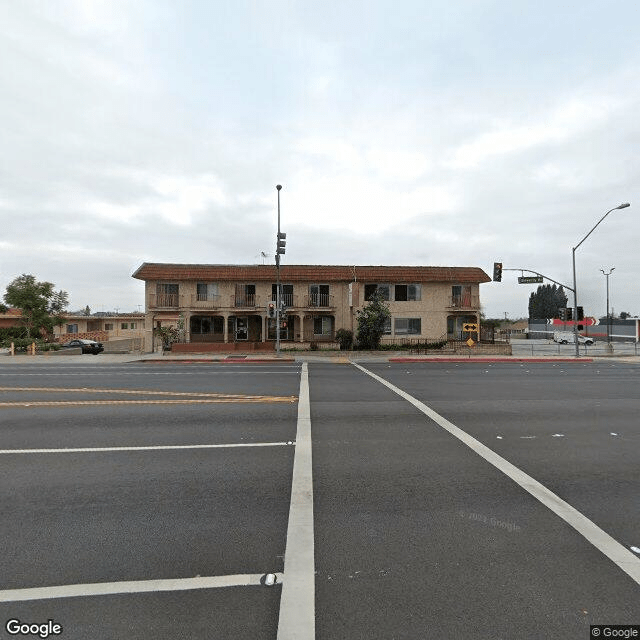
[[68, 403], [189, 394]]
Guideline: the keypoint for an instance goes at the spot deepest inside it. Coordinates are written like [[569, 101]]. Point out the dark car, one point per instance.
[[87, 346]]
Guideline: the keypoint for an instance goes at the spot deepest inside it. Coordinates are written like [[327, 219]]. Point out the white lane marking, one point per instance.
[[600, 539], [168, 447], [297, 603], [135, 586]]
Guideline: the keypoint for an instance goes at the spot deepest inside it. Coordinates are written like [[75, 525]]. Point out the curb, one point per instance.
[[520, 360]]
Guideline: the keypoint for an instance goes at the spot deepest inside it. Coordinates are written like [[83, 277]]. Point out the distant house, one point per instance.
[[227, 304], [10, 318], [101, 327]]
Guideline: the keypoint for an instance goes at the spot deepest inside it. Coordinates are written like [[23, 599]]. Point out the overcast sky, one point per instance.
[[404, 133]]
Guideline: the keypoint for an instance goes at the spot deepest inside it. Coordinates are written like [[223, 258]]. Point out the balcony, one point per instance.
[[164, 301], [465, 302], [245, 301], [288, 300], [319, 301], [205, 302]]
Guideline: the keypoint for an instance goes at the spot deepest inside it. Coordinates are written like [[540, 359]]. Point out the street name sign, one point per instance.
[[530, 280]]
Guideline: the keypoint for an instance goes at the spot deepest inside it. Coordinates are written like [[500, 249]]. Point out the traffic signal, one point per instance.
[[271, 310], [580, 313], [563, 314], [281, 243], [569, 313], [497, 271]]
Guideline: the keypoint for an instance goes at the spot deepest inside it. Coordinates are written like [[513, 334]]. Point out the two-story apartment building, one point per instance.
[[224, 304]]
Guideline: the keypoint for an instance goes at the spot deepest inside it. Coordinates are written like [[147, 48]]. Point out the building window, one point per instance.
[[124, 325], [407, 292], [72, 328], [286, 292], [408, 326], [322, 325], [383, 291], [108, 326], [387, 327], [132, 325], [319, 295], [167, 295], [207, 291], [245, 295]]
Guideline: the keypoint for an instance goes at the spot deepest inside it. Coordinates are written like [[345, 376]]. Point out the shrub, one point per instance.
[[344, 338]]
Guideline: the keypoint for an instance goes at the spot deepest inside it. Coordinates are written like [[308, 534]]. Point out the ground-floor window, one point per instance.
[[408, 326], [72, 328], [322, 325]]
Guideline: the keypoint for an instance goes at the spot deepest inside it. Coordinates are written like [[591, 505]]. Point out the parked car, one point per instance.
[[87, 346], [567, 337]]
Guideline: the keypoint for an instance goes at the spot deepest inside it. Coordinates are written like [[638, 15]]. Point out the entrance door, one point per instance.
[[242, 328]]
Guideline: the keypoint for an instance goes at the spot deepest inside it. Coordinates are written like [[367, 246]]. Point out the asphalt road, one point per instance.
[[415, 534]]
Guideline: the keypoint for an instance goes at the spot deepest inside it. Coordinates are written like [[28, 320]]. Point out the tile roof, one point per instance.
[[307, 273]]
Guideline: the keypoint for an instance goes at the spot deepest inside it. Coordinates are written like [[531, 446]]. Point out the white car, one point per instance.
[[567, 337]]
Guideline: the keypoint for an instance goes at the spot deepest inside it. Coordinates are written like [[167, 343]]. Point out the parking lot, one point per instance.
[[406, 500]]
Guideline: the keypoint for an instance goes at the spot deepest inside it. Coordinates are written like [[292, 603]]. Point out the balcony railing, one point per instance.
[[465, 301], [320, 301], [287, 299], [201, 301], [164, 300], [245, 301]]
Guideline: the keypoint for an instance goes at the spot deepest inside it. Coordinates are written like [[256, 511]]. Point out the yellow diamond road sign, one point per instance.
[[470, 327], [470, 342]]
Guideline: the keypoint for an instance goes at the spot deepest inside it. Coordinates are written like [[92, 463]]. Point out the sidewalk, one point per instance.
[[341, 357]]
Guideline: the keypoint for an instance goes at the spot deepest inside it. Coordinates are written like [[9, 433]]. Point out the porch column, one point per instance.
[[225, 319], [301, 317], [264, 327], [187, 327]]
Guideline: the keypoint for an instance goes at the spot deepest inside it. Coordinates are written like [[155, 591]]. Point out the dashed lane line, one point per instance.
[[599, 538], [161, 447], [134, 586]]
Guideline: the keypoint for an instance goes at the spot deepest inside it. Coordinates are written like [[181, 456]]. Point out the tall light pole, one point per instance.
[[608, 317], [624, 205]]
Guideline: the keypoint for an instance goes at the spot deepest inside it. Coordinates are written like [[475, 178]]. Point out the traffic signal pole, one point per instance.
[[278, 187]]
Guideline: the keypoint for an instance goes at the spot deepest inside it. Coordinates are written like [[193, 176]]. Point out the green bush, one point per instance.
[[344, 338]]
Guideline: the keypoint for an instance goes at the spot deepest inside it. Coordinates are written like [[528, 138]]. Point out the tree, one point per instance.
[[40, 305], [87, 311], [372, 320], [547, 301]]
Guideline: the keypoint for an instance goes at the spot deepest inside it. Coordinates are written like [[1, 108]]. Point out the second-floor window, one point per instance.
[[207, 291], [245, 295], [286, 292], [167, 294], [383, 290], [407, 292], [319, 295]]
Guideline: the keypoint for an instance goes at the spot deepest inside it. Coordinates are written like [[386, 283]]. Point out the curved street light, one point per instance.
[[624, 205]]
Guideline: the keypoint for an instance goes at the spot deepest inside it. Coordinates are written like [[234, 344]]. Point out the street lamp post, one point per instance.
[[608, 316], [624, 205]]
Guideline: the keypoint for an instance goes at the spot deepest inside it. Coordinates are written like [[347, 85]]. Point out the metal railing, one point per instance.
[[202, 301], [464, 301], [287, 299], [319, 300], [245, 301], [164, 300]]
